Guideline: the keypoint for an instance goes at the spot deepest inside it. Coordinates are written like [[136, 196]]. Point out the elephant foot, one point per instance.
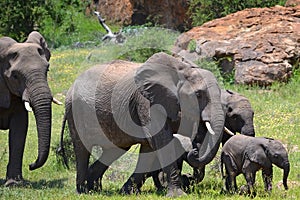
[[81, 189], [127, 190], [186, 181], [10, 182], [95, 186], [175, 192]]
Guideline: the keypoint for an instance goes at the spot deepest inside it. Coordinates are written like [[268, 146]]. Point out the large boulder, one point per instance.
[[260, 44], [170, 13]]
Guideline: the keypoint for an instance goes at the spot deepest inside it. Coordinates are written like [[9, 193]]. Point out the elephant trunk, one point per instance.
[[248, 129], [286, 171], [213, 113], [40, 100]]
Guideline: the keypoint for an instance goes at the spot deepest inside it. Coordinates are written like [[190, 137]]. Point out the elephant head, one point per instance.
[[239, 114], [23, 76], [267, 151], [185, 90]]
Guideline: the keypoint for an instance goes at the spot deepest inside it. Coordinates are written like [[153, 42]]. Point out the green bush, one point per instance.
[[202, 11]]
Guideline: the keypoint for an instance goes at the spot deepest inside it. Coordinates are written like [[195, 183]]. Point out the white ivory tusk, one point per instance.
[[210, 130], [27, 106], [228, 131], [56, 101]]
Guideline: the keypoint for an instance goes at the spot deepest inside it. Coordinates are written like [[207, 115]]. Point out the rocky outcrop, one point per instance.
[[260, 44], [170, 13], [292, 3]]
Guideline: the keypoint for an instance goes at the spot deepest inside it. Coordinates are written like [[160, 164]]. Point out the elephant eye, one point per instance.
[[12, 55], [14, 76], [41, 51], [276, 156], [230, 109]]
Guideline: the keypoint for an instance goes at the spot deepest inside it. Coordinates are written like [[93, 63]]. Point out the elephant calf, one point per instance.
[[244, 154]]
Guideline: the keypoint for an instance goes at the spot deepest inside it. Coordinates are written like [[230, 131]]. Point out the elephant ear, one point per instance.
[[5, 43], [257, 154], [4, 94], [37, 38], [157, 80]]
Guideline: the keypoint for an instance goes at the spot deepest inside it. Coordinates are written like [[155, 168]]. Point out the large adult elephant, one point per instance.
[[238, 119], [122, 103], [23, 85]]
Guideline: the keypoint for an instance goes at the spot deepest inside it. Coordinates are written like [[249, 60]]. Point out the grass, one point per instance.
[[277, 111]]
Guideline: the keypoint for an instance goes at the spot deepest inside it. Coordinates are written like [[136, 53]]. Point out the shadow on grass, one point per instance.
[[39, 185]]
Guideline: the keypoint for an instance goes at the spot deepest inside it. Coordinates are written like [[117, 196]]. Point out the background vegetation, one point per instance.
[[64, 23], [276, 108], [76, 45]]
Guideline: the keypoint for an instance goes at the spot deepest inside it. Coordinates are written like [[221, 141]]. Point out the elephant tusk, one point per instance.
[[228, 131], [210, 130], [56, 101], [27, 106]]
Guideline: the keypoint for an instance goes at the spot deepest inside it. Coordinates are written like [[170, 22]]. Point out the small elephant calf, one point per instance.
[[247, 155]]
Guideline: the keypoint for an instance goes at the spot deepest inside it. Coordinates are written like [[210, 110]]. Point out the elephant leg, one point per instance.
[[267, 175], [17, 137], [82, 156], [98, 168], [231, 173], [144, 166], [249, 171], [166, 153], [198, 174], [82, 162]]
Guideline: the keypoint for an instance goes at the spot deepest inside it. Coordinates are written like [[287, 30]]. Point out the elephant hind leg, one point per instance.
[[231, 173], [82, 161], [98, 168]]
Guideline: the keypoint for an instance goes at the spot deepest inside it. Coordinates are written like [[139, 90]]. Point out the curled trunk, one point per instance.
[[213, 113]]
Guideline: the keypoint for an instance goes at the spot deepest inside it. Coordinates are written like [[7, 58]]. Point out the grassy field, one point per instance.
[[277, 115]]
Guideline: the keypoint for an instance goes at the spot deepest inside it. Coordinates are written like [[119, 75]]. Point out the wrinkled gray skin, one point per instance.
[[161, 80], [247, 155], [23, 78], [239, 119]]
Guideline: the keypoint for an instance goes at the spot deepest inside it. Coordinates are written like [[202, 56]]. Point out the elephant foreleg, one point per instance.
[[267, 175], [249, 171], [144, 166], [17, 137], [164, 144]]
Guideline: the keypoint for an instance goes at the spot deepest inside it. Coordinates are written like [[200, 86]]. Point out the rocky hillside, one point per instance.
[[170, 13], [261, 44]]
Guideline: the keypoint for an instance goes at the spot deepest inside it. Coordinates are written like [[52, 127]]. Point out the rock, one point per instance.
[[292, 3], [170, 13], [260, 44]]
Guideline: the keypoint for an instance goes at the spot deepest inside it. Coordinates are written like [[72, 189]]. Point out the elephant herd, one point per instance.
[[174, 109]]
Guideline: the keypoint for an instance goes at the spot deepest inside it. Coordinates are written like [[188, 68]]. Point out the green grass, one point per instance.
[[277, 111]]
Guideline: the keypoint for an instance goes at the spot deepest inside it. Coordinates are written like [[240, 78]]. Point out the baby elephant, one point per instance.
[[244, 154]]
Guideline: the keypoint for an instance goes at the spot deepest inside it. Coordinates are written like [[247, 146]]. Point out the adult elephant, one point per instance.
[[239, 114], [238, 119], [121, 104], [24, 87]]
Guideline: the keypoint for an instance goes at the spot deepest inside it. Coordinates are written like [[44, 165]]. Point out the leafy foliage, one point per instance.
[[202, 11], [51, 18]]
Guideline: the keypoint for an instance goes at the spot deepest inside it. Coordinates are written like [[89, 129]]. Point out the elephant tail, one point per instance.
[[60, 151]]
